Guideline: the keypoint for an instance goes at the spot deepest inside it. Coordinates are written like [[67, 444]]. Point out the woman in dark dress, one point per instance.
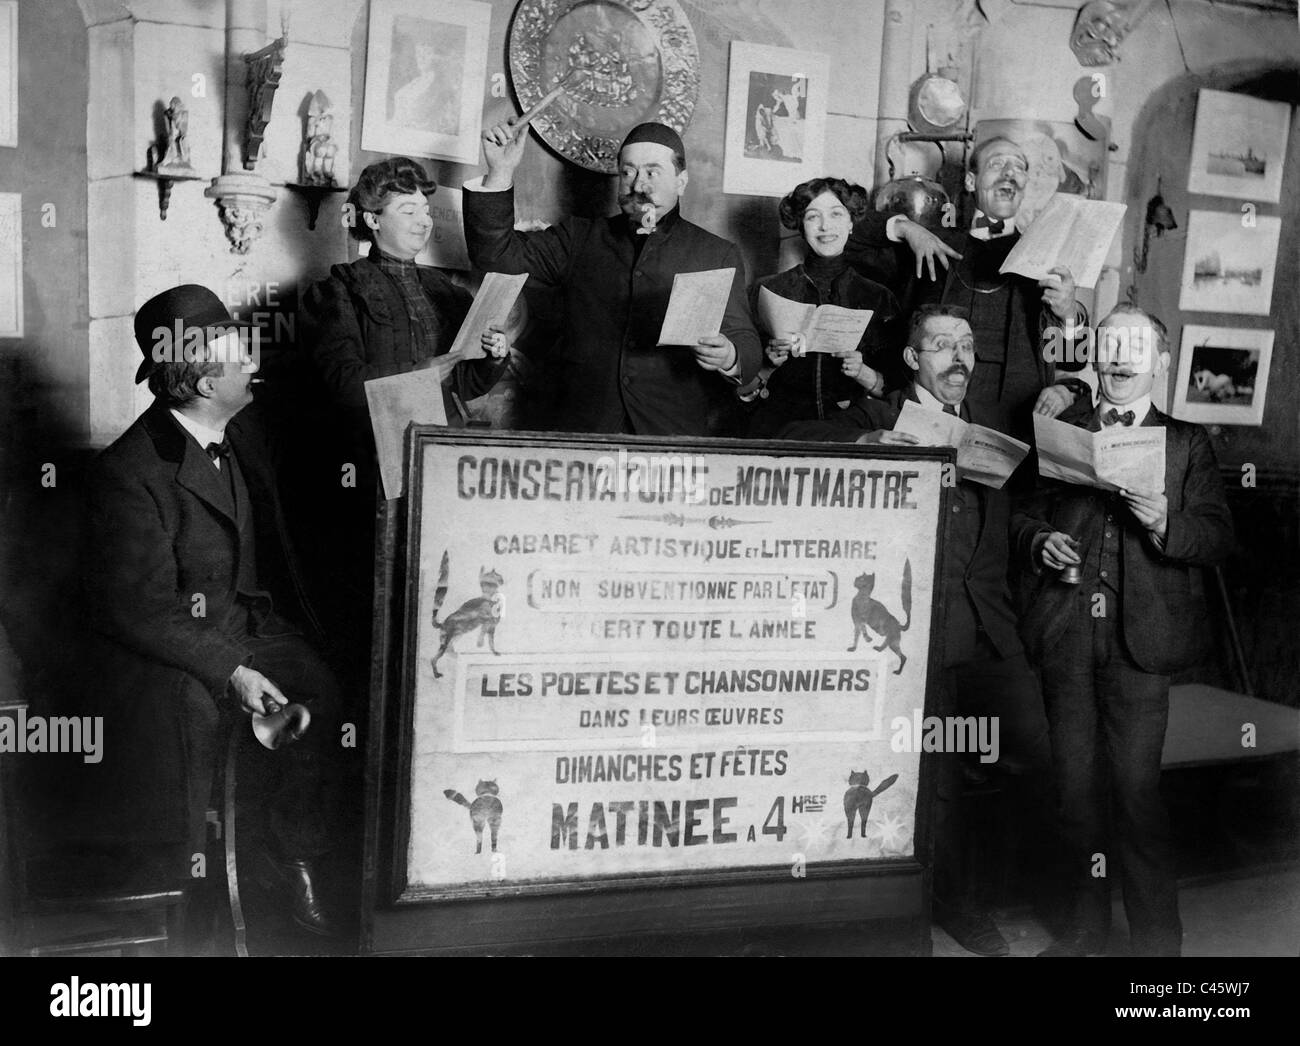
[[801, 385], [377, 316]]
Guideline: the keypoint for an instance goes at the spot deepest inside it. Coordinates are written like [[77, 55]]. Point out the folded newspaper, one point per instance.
[[984, 455], [1117, 458]]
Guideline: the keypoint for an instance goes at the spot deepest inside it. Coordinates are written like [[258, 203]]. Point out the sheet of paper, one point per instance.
[[781, 317], [697, 305], [836, 329], [827, 328], [394, 403], [988, 456], [984, 455], [1070, 231], [491, 308], [933, 428], [1114, 458], [1132, 457]]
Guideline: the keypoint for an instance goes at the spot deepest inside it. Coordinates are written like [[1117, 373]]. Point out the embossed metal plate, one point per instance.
[[635, 61]]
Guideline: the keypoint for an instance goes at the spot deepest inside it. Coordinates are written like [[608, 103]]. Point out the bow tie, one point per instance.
[[218, 450], [995, 226], [1114, 417]]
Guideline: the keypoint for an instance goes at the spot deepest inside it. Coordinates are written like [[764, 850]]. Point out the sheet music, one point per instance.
[[781, 316], [826, 328], [837, 329], [491, 308], [394, 403], [1070, 231], [984, 455], [1115, 458], [697, 305]]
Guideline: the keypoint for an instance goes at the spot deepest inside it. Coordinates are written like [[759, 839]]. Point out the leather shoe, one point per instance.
[[299, 880], [975, 933], [1075, 943]]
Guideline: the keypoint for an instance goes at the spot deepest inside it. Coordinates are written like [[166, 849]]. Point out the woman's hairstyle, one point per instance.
[[398, 176], [854, 197]]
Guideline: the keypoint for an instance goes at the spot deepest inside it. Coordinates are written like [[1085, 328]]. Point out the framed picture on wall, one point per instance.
[[11, 265], [1238, 146], [1229, 262], [776, 119], [426, 66], [1222, 375], [9, 73]]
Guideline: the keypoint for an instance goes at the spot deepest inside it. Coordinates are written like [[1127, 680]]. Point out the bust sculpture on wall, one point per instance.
[[1102, 26]]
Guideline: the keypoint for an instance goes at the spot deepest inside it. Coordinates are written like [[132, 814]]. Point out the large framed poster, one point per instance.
[[644, 664]]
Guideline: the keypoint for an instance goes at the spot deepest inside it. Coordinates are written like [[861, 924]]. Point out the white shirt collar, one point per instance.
[[1140, 407], [201, 433], [930, 402], [1008, 226]]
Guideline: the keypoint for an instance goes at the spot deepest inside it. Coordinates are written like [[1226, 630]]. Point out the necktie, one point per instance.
[[948, 408], [1114, 417], [995, 226], [218, 450]]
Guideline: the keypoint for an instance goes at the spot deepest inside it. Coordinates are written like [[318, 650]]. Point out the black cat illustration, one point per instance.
[[482, 612], [872, 616], [486, 809], [859, 796]]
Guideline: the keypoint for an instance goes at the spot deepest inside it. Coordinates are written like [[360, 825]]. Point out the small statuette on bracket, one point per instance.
[[318, 152], [169, 160], [319, 147]]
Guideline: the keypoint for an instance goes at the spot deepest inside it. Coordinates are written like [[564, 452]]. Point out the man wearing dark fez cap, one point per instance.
[[616, 275], [194, 602]]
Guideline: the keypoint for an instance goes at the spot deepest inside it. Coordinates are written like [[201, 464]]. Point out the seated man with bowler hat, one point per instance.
[[194, 603]]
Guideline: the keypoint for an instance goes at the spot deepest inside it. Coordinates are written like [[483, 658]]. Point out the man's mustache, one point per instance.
[[639, 198], [957, 368]]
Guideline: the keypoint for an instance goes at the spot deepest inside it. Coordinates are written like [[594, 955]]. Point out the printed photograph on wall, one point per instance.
[[1061, 159], [776, 119], [1238, 146], [9, 73], [1229, 265], [426, 66], [1223, 375]]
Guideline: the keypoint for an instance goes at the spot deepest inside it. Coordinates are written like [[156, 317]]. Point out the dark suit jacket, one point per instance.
[[871, 252], [975, 588], [162, 529], [614, 305], [1163, 616]]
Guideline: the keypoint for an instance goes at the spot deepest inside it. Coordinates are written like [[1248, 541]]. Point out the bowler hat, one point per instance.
[[177, 312]]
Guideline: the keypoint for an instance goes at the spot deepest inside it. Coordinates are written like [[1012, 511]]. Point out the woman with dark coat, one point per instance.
[[377, 316], [803, 386]]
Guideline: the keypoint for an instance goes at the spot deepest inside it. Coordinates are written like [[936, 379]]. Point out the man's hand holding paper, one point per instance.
[[1120, 458], [984, 455], [696, 308]]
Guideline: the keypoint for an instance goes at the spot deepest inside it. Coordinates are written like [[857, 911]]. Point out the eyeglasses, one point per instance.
[[965, 345], [1005, 163]]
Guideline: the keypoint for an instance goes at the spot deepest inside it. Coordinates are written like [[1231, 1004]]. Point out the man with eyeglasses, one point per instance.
[[1019, 324], [985, 672]]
